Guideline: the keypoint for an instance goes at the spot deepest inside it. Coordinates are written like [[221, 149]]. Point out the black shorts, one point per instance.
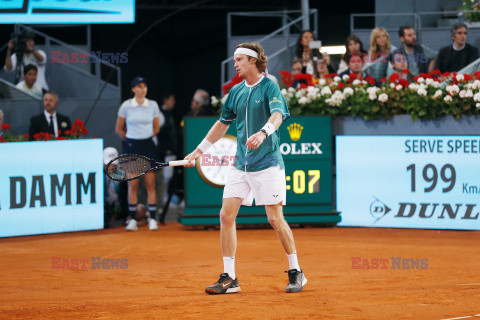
[[144, 147]]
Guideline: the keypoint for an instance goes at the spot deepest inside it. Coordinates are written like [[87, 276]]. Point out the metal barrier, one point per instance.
[[280, 41], [70, 80], [18, 107]]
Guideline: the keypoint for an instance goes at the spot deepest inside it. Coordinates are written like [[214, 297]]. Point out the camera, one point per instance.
[[20, 42]]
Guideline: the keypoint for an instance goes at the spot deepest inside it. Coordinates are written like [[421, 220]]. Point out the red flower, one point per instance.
[[2, 140], [226, 88], [467, 77], [287, 78], [26, 135], [371, 80], [5, 126], [425, 75], [383, 80], [353, 76], [415, 79], [436, 73], [446, 74], [37, 136], [60, 138], [394, 77], [303, 86], [341, 85], [406, 71], [403, 82], [303, 77]]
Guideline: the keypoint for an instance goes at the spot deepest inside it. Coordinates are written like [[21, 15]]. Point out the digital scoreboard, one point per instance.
[[430, 182]]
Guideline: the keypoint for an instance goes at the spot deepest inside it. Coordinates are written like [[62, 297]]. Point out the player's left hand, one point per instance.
[[255, 140]]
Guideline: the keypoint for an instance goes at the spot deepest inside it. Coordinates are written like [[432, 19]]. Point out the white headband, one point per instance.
[[248, 52]]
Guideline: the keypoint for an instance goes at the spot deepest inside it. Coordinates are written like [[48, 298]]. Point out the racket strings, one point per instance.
[[128, 167]]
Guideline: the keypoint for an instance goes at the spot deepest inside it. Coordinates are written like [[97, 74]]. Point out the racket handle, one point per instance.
[[177, 163]]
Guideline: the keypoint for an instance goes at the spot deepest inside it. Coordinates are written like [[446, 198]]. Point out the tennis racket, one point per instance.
[[127, 167]]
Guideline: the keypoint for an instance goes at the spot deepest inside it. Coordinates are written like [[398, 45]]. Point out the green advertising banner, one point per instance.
[[306, 146]]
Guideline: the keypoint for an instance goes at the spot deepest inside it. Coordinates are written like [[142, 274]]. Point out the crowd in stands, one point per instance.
[[382, 58]]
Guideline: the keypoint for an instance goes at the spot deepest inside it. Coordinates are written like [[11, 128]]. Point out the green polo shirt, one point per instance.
[[251, 107]]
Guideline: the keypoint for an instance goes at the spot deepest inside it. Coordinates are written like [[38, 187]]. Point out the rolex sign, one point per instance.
[[304, 136]]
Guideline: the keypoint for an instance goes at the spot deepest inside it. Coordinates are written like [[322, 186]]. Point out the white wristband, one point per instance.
[[204, 145], [269, 128]]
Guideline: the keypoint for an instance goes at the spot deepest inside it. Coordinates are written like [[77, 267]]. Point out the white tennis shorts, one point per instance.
[[267, 187]]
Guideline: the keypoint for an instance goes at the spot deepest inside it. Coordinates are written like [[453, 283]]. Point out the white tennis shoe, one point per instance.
[[131, 225], [152, 224]]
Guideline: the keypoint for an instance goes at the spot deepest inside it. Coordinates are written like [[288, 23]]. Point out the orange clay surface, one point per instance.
[[168, 270]]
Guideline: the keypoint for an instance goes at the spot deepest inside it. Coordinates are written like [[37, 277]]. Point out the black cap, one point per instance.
[[138, 80]]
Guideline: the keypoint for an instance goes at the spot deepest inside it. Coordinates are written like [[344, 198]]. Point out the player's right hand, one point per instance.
[[193, 156]]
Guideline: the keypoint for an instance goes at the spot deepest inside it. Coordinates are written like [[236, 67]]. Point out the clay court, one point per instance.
[[167, 271]]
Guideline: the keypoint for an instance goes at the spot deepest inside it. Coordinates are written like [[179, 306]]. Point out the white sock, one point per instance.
[[293, 261], [229, 266]]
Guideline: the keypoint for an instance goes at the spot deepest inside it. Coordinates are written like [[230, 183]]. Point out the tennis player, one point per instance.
[[259, 108]]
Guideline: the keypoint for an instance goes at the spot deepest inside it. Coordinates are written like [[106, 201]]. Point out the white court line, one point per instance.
[[477, 315], [470, 284]]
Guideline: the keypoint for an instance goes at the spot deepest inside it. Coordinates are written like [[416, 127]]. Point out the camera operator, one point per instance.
[[23, 46]]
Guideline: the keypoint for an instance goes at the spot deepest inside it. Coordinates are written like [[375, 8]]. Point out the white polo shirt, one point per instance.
[[139, 118], [36, 91]]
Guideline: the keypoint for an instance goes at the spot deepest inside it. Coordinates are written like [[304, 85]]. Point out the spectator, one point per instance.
[[399, 62], [355, 65], [111, 187], [30, 56], [379, 52], [380, 46], [321, 69], [167, 136], [1, 122], [458, 55], [309, 56], [200, 105], [352, 44], [167, 143], [139, 119], [28, 82], [270, 76], [49, 121], [421, 59], [297, 66]]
